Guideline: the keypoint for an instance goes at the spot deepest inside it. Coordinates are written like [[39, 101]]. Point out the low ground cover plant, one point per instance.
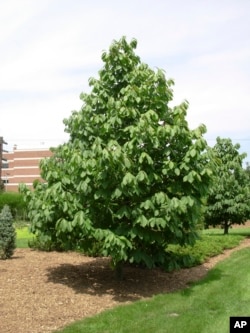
[[207, 246]]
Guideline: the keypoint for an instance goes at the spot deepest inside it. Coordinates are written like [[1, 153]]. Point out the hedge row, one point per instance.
[[16, 203]]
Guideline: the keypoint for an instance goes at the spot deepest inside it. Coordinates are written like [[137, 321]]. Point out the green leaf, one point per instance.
[[128, 179], [65, 206], [142, 221], [157, 222], [147, 205], [62, 225], [123, 212], [177, 171], [142, 177], [117, 193], [127, 163], [144, 157], [193, 153], [160, 198], [189, 178], [171, 165]]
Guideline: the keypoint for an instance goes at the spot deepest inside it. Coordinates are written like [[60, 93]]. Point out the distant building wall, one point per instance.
[[22, 166]]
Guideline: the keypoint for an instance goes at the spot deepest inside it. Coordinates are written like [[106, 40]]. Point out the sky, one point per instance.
[[49, 49]]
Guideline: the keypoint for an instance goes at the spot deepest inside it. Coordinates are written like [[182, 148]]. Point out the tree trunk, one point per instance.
[[119, 271], [226, 227]]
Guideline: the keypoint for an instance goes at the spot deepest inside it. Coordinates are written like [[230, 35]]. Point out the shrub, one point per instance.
[[43, 243], [16, 204], [7, 234]]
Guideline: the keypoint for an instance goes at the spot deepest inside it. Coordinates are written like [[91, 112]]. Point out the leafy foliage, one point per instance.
[[207, 246], [7, 234], [16, 203], [229, 200], [1, 186], [133, 176]]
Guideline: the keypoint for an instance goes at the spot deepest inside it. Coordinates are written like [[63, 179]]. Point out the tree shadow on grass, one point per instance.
[[96, 277]]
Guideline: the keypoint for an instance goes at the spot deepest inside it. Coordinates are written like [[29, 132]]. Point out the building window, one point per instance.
[[5, 165]]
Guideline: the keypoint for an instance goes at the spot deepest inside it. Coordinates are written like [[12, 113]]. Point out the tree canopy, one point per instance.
[[133, 175], [229, 199]]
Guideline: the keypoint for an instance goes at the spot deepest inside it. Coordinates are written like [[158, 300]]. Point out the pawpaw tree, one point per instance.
[[132, 176]]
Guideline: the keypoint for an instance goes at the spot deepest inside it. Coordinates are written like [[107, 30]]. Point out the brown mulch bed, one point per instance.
[[41, 291]]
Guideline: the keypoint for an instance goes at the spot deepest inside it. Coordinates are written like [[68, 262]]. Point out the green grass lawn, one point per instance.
[[204, 307], [23, 236]]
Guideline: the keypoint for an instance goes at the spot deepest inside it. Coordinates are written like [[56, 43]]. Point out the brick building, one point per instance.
[[22, 166]]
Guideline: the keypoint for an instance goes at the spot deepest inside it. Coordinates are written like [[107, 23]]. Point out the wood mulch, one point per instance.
[[43, 291]]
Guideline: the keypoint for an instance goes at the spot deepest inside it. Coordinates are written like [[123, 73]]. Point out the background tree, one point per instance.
[[7, 234], [229, 199], [132, 176]]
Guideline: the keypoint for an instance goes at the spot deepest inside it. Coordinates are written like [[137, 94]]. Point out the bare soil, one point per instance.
[[41, 292]]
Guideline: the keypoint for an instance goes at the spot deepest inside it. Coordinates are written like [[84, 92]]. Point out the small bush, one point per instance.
[[7, 234]]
